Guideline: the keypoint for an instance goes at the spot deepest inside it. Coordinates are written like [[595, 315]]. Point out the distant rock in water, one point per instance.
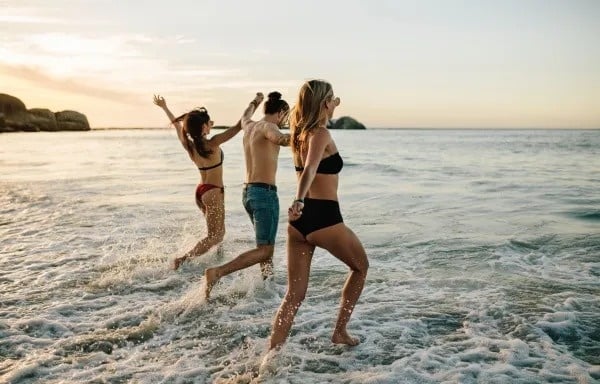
[[345, 122], [14, 116]]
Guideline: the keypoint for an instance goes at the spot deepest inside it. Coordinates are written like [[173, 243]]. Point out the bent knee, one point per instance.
[[266, 251], [361, 267]]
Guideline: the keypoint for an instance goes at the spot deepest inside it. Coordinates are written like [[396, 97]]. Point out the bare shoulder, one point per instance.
[[321, 134], [266, 126], [212, 145], [248, 123]]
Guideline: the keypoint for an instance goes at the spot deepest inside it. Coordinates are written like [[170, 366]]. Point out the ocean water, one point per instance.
[[484, 249]]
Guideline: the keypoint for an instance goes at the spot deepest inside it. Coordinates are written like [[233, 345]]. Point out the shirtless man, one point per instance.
[[262, 140]]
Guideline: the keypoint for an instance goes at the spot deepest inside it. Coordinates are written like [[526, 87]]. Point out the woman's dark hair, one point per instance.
[[275, 104], [193, 121]]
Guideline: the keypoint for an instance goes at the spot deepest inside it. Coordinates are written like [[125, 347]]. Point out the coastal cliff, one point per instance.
[[15, 117]]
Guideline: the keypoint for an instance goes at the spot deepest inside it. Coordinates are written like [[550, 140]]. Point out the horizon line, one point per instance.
[[386, 128]]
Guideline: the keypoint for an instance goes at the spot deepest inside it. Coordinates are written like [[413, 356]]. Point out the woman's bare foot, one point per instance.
[[211, 277], [343, 337], [178, 260]]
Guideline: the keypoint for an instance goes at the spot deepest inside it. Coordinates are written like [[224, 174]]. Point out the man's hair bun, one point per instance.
[[275, 96]]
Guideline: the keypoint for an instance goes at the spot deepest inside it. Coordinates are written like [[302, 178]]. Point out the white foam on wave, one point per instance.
[[43, 328], [469, 283], [558, 324], [22, 372], [186, 305]]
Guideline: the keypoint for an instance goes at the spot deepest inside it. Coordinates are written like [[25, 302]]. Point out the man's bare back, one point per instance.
[[261, 150]]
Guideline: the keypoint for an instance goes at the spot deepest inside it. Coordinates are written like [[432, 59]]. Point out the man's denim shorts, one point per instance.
[[262, 204]]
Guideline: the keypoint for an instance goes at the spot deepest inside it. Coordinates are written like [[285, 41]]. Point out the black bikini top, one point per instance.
[[330, 165], [213, 166]]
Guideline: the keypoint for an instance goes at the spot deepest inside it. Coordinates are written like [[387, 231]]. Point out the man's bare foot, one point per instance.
[[267, 273], [178, 260], [266, 268], [211, 277], [344, 338]]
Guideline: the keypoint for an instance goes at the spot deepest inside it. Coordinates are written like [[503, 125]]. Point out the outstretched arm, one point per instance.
[[247, 116], [275, 136], [228, 134], [162, 103]]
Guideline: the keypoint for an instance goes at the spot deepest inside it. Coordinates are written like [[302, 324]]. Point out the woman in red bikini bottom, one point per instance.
[[315, 219], [192, 129]]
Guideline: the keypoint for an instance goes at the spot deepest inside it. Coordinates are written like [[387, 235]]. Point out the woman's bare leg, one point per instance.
[[342, 243], [299, 257], [213, 202]]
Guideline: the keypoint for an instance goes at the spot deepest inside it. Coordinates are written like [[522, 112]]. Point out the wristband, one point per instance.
[[299, 201]]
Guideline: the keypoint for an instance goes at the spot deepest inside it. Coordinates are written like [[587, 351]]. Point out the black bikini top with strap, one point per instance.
[[330, 165], [214, 166]]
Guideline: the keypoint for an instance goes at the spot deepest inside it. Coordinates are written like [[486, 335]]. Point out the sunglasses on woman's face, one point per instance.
[[336, 100]]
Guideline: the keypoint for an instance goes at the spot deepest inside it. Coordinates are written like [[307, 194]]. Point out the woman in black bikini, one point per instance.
[[192, 128], [315, 218]]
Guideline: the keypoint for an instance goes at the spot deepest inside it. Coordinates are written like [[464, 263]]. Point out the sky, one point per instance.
[[393, 63]]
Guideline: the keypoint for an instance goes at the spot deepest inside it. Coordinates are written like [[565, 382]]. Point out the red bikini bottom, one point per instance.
[[201, 189]]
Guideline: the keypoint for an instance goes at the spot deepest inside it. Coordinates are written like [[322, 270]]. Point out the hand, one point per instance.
[[160, 101], [259, 98], [295, 211]]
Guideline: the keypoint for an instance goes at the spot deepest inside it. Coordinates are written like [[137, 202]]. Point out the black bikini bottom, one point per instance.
[[317, 214]]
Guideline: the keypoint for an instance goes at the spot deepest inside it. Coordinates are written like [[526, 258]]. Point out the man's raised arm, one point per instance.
[[247, 116]]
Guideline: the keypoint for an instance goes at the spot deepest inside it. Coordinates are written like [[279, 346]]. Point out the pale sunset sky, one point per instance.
[[394, 63]]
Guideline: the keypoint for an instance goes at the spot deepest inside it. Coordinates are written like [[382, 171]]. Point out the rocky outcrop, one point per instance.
[[345, 122], [10, 105], [14, 116], [71, 121], [43, 119]]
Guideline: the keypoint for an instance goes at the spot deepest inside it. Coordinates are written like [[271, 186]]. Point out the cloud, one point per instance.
[[180, 39], [18, 14], [28, 19], [126, 58], [258, 84], [42, 79], [124, 68]]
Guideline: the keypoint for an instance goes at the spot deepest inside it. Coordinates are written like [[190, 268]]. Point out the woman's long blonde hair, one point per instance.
[[309, 113]]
